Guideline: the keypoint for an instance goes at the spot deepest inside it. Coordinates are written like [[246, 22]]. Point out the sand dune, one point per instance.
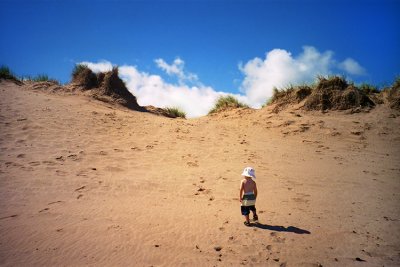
[[88, 183]]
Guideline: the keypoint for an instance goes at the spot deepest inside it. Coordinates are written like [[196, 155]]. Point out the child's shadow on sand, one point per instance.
[[276, 228]]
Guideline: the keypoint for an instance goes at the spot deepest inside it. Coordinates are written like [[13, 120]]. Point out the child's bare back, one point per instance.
[[249, 186]]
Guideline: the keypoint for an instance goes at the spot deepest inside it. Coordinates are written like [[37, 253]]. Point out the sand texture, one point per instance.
[[86, 183]]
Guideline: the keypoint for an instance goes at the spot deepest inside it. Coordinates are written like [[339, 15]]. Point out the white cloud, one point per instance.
[[352, 67], [176, 69], [278, 69], [101, 66], [153, 90]]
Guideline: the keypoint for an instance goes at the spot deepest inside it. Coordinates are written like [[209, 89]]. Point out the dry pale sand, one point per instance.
[[87, 183]]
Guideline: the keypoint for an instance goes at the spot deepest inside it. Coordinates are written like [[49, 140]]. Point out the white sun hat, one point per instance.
[[249, 172]]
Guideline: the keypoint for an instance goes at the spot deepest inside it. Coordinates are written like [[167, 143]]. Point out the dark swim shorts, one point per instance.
[[246, 209]]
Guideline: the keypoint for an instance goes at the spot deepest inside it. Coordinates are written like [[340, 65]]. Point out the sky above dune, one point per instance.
[[188, 53]]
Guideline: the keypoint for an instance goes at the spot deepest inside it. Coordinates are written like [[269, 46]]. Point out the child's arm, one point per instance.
[[255, 190], [241, 191]]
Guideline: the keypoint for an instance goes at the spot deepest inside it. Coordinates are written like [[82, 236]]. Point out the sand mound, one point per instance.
[[226, 103], [333, 93], [336, 94], [111, 85], [48, 86], [394, 96], [107, 87], [104, 86], [83, 184], [292, 95], [4, 76], [84, 77]]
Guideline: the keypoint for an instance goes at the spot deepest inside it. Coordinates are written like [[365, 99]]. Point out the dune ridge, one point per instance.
[[84, 182]]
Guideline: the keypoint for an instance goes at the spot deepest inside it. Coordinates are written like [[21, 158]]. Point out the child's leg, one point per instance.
[[245, 212], [254, 210]]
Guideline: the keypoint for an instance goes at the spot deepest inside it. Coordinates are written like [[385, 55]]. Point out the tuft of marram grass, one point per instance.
[[226, 102], [175, 112], [78, 69], [332, 82], [298, 93], [368, 88], [40, 78], [6, 73], [396, 83]]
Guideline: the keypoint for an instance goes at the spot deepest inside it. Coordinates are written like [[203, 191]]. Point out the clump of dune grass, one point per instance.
[[396, 83], [174, 112], [84, 76], [368, 88], [7, 74], [394, 94], [41, 78], [78, 69], [288, 95], [225, 103], [44, 78], [328, 93], [336, 93], [333, 82]]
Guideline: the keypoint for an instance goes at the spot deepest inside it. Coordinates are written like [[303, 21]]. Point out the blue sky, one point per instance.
[[223, 44]]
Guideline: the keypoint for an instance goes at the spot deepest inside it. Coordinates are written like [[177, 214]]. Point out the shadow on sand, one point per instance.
[[276, 228]]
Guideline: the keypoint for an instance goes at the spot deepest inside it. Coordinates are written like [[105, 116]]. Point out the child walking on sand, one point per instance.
[[248, 195]]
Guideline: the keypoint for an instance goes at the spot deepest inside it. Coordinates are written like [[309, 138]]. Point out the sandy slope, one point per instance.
[[85, 183]]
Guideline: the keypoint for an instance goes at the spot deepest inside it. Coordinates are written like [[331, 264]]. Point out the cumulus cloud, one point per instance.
[[176, 69], [154, 90], [101, 66], [352, 67], [278, 69]]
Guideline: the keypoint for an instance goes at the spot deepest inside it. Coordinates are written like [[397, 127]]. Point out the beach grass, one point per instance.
[[175, 112], [226, 102]]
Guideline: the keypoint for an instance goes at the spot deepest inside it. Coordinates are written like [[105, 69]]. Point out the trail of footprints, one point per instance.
[[201, 190]]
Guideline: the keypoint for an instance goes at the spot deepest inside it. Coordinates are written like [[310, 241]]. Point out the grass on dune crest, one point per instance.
[[175, 112], [6, 73], [225, 103]]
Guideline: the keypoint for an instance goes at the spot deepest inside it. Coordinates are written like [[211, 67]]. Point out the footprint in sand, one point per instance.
[[14, 164], [55, 202], [60, 158], [73, 157], [193, 164], [61, 173], [27, 168], [45, 209], [80, 188], [48, 162], [11, 216], [276, 238]]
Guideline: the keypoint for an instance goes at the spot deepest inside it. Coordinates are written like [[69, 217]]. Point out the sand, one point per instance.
[[88, 183]]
